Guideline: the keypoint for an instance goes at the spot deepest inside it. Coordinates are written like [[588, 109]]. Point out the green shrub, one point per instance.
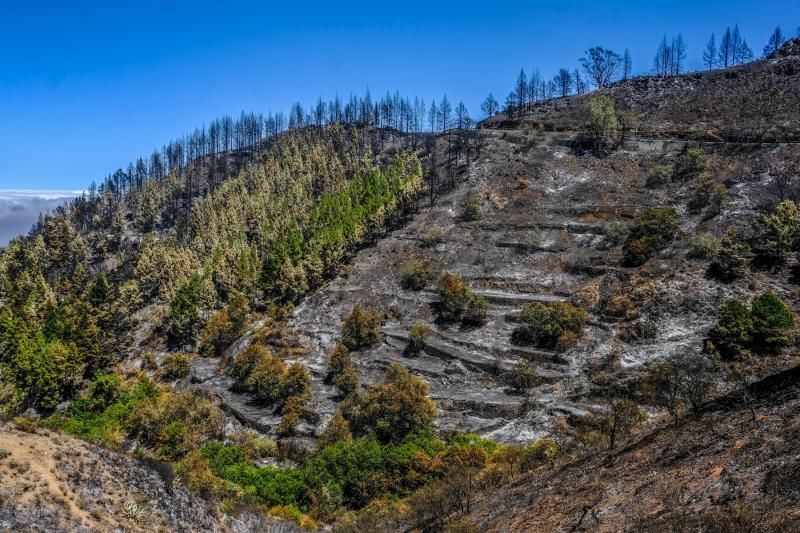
[[431, 238], [337, 430], [689, 164], [361, 328], [459, 303], [778, 233], [347, 381], [544, 324], [266, 379], [703, 247], [183, 318], [416, 274], [732, 258], [538, 453], [732, 334], [242, 365], [176, 366], [660, 176], [600, 122], [268, 485], [396, 408], [709, 193], [173, 441], [470, 209], [654, 229], [522, 377], [338, 361], [417, 333], [225, 327], [614, 233], [772, 322]]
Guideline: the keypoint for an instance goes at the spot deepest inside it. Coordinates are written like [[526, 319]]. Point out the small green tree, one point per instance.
[[779, 233], [459, 303], [470, 209], [337, 430], [396, 408], [417, 335], [175, 366], [338, 361], [600, 122], [731, 335], [620, 419], [416, 274], [654, 229], [543, 324], [772, 322], [689, 164], [361, 328], [732, 257], [183, 318], [522, 377]]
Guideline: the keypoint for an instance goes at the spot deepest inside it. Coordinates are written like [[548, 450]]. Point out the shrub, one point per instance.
[[600, 121], [731, 335], [543, 324], [538, 453], [779, 233], [703, 247], [176, 366], [689, 164], [290, 513], [338, 361], [711, 193], [772, 321], [296, 382], [225, 327], [361, 328], [337, 430], [459, 303], [432, 237], [291, 411], [620, 306], [470, 209], [731, 258], [661, 176], [416, 274], [266, 379], [242, 365], [268, 485], [173, 441], [347, 381], [522, 377], [396, 408], [417, 334], [654, 229], [183, 317], [614, 233], [149, 361], [25, 424]]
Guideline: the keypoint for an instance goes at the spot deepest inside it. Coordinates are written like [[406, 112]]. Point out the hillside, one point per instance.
[[344, 324], [723, 471], [53, 482], [755, 102]]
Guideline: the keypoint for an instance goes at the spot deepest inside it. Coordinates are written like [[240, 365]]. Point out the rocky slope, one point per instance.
[[545, 211], [52, 482], [728, 470]]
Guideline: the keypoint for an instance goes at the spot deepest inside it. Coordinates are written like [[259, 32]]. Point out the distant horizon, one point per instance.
[[89, 89]]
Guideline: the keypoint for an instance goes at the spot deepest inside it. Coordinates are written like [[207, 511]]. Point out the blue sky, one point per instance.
[[87, 86]]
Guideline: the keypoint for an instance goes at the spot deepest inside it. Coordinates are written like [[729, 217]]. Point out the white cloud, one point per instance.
[[19, 208]]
